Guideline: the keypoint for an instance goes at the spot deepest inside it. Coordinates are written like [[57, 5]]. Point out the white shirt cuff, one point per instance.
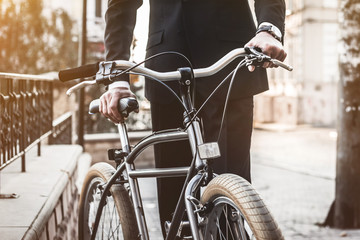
[[123, 84]]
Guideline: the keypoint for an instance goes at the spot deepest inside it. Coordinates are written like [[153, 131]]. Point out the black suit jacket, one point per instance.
[[203, 30]]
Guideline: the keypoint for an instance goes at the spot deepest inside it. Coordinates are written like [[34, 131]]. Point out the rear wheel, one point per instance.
[[236, 211], [118, 218]]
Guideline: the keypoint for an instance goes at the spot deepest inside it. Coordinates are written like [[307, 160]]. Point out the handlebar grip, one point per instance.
[[79, 72], [125, 106], [281, 64], [94, 106]]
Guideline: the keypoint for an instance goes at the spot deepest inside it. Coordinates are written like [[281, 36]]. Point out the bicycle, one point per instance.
[[217, 206]]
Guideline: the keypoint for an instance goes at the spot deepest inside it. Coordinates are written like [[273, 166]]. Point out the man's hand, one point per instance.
[[109, 103], [269, 46]]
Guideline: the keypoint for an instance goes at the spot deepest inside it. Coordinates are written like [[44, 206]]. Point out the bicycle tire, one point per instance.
[[122, 222], [244, 214]]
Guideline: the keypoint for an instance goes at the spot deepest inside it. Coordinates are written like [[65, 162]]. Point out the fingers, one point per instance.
[[114, 112], [106, 107], [109, 103], [278, 53], [251, 68], [269, 46], [266, 65], [282, 56]]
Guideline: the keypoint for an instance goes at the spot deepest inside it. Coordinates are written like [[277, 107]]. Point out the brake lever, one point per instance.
[[79, 86], [254, 53], [255, 57], [253, 50]]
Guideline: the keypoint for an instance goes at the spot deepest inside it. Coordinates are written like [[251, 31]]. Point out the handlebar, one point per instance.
[[106, 69], [175, 75]]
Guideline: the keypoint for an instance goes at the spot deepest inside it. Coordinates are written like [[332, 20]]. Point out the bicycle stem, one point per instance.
[[193, 126]]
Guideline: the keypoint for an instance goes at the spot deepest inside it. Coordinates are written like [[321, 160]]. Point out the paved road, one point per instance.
[[294, 172]]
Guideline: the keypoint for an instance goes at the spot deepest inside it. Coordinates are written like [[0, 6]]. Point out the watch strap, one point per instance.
[[270, 30]]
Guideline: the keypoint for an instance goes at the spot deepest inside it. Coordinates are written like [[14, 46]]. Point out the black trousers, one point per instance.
[[234, 144]]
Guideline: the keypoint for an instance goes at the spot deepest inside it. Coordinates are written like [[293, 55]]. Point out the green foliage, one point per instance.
[[32, 42]]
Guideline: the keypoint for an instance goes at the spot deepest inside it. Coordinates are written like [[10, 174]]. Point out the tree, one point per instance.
[[33, 43], [345, 211]]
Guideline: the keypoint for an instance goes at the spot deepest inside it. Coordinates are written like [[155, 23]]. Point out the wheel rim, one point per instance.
[[109, 225], [226, 221]]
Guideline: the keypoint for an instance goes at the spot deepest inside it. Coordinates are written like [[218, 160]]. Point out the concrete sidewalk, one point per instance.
[[294, 172]]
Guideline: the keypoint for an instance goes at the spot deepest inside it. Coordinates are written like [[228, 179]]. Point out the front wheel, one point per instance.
[[118, 217], [236, 211]]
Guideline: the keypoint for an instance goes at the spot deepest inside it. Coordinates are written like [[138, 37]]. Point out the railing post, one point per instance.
[[7, 119], [82, 61], [3, 87], [22, 88], [39, 115], [51, 99], [10, 108]]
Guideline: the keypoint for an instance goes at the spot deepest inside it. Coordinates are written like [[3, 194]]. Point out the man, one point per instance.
[[204, 31]]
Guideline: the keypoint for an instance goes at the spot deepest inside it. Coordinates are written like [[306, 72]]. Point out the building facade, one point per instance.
[[95, 13], [308, 94]]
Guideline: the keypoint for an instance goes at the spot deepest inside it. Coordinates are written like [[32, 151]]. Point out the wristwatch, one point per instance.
[[270, 28]]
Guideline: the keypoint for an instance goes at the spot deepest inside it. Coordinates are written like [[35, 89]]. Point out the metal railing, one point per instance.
[[26, 107]]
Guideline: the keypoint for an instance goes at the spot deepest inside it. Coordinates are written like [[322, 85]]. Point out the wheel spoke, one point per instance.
[[234, 210], [117, 225], [111, 225], [228, 222], [221, 235], [228, 227]]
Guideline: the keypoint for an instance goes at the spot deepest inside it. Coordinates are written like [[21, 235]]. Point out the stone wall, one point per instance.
[[63, 222], [48, 194]]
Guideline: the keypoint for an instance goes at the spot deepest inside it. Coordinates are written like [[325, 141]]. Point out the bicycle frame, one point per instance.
[[199, 173], [194, 174]]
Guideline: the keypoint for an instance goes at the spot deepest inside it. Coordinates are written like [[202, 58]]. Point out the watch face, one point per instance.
[[276, 31]]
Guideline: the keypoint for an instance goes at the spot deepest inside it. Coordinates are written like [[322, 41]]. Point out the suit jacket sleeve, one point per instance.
[[120, 19], [272, 11]]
